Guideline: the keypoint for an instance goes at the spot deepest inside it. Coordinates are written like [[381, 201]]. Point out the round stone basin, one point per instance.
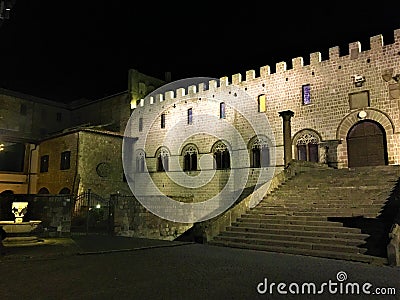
[[21, 232], [22, 227]]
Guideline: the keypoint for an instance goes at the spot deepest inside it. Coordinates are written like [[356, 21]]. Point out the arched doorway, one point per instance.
[[366, 145]]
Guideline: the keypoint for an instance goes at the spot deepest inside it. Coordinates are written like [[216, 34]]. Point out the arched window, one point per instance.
[[162, 155], [140, 161], [43, 190], [65, 191], [307, 147], [259, 153], [222, 160], [262, 106], [7, 192], [222, 110], [190, 158]]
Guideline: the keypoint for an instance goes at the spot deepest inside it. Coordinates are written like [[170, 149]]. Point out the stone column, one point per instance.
[[287, 135]]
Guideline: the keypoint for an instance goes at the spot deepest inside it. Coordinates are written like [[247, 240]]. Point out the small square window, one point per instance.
[[306, 94], [190, 116], [262, 103], [44, 114], [222, 110], [23, 109], [140, 124], [65, 163], [162, 120], [44, 163]]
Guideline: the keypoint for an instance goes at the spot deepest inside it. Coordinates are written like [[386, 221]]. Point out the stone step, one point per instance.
[[390, 171], [343, 211], [292, 244], [295, 232], [347, 214], [322, 198], [343, 214], [294, 218], [22, 240], [371, 179], [252, 217], [306, 252], [310, 199], [355, 241], [342, 183], [260, 224], [342, 192], [283, 217], [315, 206]]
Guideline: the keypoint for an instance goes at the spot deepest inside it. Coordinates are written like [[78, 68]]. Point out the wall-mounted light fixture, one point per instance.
[[362, 114], [358, 80]]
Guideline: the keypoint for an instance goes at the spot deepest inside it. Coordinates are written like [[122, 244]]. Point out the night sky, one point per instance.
[[67, 50]]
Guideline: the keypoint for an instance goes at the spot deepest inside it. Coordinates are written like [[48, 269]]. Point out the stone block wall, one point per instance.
[[106, 112], [56, 179], [100, 163], [54, 212], [30, 117], [133, 220]]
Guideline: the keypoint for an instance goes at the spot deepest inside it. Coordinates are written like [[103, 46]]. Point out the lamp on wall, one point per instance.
[[1, 147], [358, 80], [362, 114], [5, 8]]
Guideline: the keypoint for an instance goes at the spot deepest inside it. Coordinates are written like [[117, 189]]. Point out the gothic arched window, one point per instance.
[[222, 160], [140, 162], [307, 147], [190, 158], [259, 153], [162, 159]]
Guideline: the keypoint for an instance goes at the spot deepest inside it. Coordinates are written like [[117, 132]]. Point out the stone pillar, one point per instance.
[[287, 135]]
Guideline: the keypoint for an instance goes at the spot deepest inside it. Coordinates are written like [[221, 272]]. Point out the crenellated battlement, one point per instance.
[[376, 47]]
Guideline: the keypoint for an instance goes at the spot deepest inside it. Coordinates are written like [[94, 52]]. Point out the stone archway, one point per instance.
[[353, 118], [366, 144]]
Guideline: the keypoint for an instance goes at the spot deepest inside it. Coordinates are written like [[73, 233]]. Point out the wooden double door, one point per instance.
[[366, 145]]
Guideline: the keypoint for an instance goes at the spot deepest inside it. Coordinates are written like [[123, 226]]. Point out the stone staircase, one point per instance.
[[333, 213]]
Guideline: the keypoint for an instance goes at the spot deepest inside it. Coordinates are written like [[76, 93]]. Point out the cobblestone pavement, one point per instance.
[[97, 267]]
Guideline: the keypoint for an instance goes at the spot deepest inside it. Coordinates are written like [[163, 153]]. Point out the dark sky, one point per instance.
[[66, 50]]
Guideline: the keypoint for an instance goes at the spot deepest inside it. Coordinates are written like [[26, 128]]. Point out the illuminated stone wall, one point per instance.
[[29, 117], [95, 163], [55, 179], [329, 115], [106, 112], [100, 163]]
